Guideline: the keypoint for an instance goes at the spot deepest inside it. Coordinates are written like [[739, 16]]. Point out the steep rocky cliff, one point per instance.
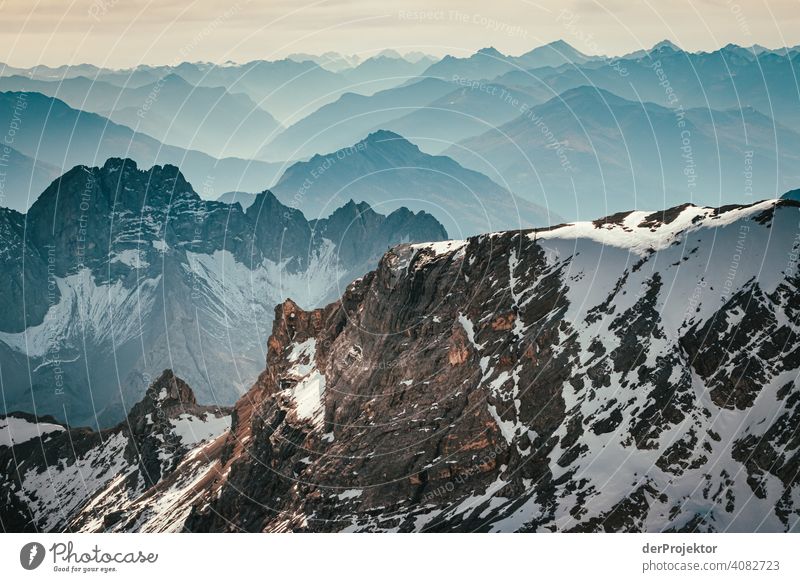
[[637, 373]]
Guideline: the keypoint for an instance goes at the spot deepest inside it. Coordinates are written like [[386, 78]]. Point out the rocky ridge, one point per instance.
[[635, 373]]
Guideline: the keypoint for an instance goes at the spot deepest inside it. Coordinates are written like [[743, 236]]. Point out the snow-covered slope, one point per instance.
[[76, 478], [17, 429], [636, 373]]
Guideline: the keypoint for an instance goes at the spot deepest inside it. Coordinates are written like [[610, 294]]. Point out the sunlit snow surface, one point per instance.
[[309, 391], [193, 430], [14, 430]]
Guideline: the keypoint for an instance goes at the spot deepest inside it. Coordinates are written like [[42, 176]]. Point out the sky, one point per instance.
[[124, 33]]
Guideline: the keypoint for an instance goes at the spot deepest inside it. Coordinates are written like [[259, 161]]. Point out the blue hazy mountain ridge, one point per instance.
[[22, 178], [388, 172], [467, 111], [350, 118], [754, 83], [282, 87], [288, 89], [589, 153], [330, 60], [338, 62], [488, 63], [665, 44], [429, 112], [553, 54], [723, 79], [383, 72], [135, 77], [53, 133], [171, 110], [47, 72], [245, 199]]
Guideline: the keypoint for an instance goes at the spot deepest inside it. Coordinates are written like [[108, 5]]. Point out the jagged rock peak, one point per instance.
[[118, 180], [168, 394], [293, 323]]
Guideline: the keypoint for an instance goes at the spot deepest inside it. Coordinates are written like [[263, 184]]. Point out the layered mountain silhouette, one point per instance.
[[349, 118], [464, 112], [384, 71], [22, 178], [489, 63], [589, 152], [288, 88], [388, 172], [54, 134], [171, 110], [723, 79], [246, 199], [283, 87]]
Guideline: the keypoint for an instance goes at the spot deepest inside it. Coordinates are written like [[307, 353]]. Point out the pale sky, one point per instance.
[[123, 33]]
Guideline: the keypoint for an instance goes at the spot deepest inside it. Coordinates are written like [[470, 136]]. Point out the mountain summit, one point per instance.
[[387, 171]]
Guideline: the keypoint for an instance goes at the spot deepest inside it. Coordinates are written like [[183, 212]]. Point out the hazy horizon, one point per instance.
[[371, 54], [169, 33]]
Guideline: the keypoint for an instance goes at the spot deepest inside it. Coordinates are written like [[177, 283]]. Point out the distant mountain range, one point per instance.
[[588, 152], [385, 169], [337, 62], [116, 273], [464, 112], [171, 110], [287, 88], [58, 136], [246, 199], [350, 118], [22, 178], [741, 104], [389, 172], [489, 63], [384, 71], [730, 77]]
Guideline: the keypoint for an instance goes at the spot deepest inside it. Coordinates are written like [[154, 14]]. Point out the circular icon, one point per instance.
[[31, 555]]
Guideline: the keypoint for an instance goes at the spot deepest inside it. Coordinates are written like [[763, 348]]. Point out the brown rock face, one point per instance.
[[405, 416], [451, 389], [167, 393], [547, 381]]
